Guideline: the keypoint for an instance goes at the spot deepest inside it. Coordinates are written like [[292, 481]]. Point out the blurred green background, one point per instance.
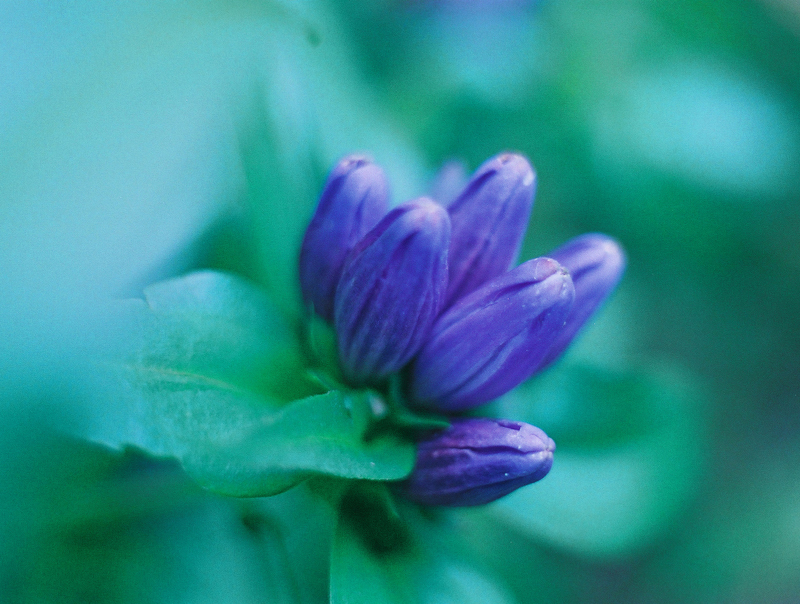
[[141, 140]]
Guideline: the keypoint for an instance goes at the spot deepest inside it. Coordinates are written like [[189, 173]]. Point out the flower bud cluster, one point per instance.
[[429, 288]]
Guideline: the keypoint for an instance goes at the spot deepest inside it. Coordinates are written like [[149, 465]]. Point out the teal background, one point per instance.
[[144, 140]]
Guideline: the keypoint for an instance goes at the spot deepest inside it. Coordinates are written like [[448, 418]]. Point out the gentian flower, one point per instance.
[[493, 339], [354, 199], [595, 263], [425, 293], [391, 290], [476, 461], [489, 220]]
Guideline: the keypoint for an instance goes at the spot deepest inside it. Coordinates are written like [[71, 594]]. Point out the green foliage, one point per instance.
[[216, 326], [382, 557], [104, 526], [630, 455], [147, 140], [209, 367]]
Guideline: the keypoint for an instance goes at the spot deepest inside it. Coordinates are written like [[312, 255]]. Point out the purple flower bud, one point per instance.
[[476, 461], [391, 290], [489, 220], [355, 198], [595, 263], [490, 341]]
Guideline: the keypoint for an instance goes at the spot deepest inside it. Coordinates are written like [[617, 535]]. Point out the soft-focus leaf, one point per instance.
[[208, 358], [320, 434], [93, 525], [709, 561], [532, 570], [409, 570], [629, 458], [296, 527], [220, 327]]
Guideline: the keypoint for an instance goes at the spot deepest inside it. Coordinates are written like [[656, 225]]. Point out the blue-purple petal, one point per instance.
[[596, 263], [489, 219], [492, 340], [391, 290], [355, 198], [476, 461]]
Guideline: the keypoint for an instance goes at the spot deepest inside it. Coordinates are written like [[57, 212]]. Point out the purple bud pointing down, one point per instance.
[[489, 219], [595, 263], [476, 461], [391, 289], [355, 198], [493, 339]]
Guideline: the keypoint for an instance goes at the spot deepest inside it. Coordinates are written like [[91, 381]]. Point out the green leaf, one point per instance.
[[208, 359], [125, 528], [409, 570], [629, 458], [296, 528], [320, 434], [220, 327]]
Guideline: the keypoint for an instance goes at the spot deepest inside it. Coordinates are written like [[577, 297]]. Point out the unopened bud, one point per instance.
[[489, 219], [355, 198], [476, 461], [391, 290], [596, 263], [493, 339]]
